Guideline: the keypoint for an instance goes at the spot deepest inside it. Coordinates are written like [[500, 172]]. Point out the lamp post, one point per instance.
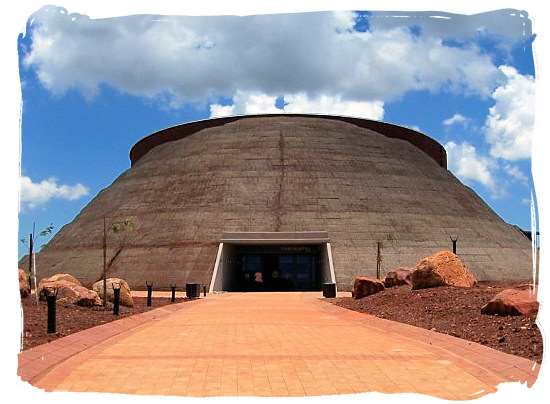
[[173, 287], [454, 240], [116, 298], [104, 247], [51, 295], [149, 292]]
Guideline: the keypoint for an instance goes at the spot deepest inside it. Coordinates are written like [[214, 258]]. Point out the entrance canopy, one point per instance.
[[270, 261], [274, 238]]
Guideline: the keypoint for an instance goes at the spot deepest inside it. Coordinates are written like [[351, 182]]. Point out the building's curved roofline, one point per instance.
[[428, 145]]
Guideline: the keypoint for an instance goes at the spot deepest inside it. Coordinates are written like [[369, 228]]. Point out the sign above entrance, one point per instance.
[[274, 238]]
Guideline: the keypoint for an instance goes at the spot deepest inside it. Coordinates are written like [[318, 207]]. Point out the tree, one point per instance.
[[32, 263], [115, 227], [379, 246]]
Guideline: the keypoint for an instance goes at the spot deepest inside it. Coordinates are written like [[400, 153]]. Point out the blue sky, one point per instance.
[[92, 87]]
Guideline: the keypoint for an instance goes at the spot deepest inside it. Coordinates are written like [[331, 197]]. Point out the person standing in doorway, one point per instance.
[[258, 281]]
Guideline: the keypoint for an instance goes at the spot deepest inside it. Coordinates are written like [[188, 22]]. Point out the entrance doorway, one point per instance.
[[285, 261], [277, 268]]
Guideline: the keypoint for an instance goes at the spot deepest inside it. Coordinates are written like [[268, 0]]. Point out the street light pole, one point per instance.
[[104, 245], [454, 240]]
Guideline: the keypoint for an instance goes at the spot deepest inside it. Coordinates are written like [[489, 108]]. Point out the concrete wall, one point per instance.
[[327, 268], [223, 277]]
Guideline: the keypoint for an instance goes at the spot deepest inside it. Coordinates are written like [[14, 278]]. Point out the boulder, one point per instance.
[[70, 293], [24, 287], [60, 277], [515, 302], [125, 292], [398, 277], [441, 269], [363, 286]]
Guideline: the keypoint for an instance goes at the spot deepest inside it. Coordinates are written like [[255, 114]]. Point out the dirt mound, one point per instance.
[[455, 311], [71, 318]]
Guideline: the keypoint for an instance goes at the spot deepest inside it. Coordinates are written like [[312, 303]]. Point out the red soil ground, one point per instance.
[[455, 311]]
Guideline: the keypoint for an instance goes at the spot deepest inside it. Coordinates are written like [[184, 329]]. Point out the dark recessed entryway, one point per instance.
[[248, 262], [277, 268]]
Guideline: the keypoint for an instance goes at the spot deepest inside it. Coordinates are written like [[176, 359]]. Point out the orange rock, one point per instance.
[[125, 291], [62, 277], [24, 287], [441, 269], [398, 277], [363, 286], [69, 292], [515, 302]]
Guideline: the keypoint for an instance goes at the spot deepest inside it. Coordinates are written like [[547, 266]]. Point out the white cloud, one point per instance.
[[510, 124], [217, 110], [503, 24], [333, 105], [34, 194], [257, 103], [508, 132], [246, 103], [464, 161], [196, 59], [456, 119], [344, 20], [515, 173]]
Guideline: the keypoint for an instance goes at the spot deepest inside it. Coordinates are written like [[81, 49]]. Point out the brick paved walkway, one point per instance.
[[267, 344]]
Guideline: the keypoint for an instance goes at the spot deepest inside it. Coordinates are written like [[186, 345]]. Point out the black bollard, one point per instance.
[[173, 293], [454, 240], [51, 295], [204, 290], [149, 293], [116, 300]]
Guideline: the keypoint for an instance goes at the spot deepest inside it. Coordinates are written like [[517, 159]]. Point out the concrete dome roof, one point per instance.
[[345, 183]]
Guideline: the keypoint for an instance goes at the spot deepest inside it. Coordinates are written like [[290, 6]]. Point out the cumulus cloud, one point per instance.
[[334, 105], [456, 119], [34, 194], [505, 25], [218, 110], [256, 103], [510, 124], [515, 173], [197, 59], [246, 103], [509, 128], [465, 162]]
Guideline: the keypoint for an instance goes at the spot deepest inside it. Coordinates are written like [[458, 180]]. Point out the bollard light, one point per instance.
[[149, 292], [173, 293], [51, 296], [204, 290], [116, 299], [454, 240]]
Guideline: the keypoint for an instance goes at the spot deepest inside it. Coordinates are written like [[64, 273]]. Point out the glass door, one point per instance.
[[297, 272]]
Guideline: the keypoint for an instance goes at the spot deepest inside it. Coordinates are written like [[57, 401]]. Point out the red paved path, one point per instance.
[[268, 344]]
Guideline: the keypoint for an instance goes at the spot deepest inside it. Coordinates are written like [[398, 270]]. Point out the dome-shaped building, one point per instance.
[[304, 199]]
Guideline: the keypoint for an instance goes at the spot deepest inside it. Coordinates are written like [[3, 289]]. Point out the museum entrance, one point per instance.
[[277, 268], [272, 261]]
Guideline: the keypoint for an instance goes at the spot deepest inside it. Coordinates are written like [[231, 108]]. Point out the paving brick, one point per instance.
[[215, 346]]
